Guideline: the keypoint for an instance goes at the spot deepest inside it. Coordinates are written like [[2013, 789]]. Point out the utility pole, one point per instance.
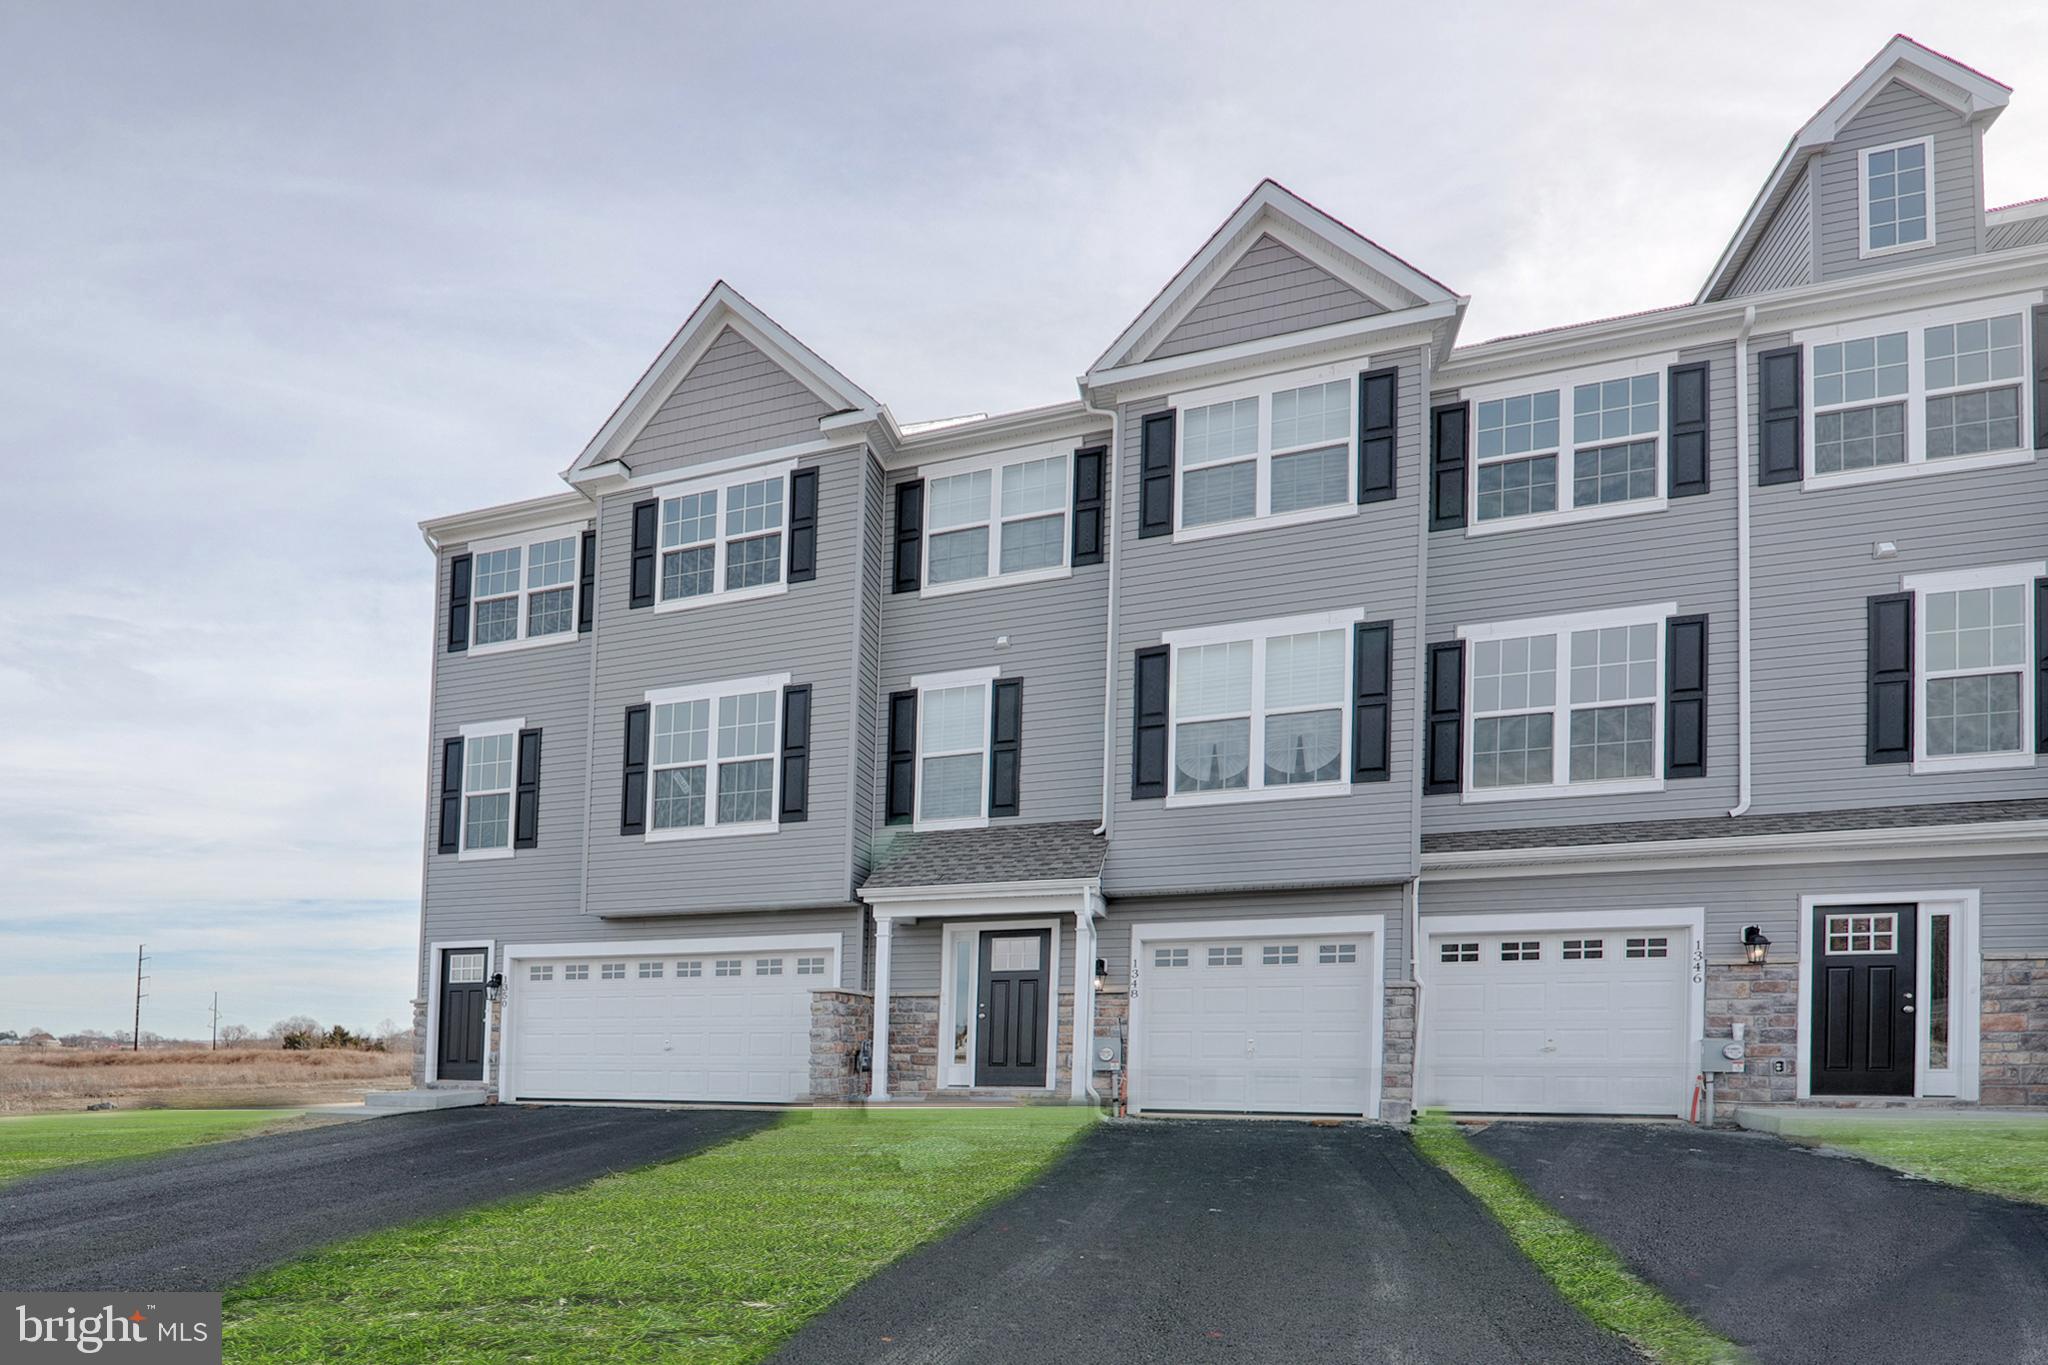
[[216, 1021], [135, 1044]]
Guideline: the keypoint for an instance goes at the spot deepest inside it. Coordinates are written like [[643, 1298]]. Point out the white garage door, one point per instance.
[[1255, 1025], [732, 1026], [1594, 1022]]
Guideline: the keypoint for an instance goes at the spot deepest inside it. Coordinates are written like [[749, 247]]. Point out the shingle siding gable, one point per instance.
[[734, 400], [1271, 290], [1899, 114], [1783, 255]]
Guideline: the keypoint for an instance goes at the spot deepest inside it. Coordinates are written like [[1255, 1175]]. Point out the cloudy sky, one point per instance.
[[278, 281]]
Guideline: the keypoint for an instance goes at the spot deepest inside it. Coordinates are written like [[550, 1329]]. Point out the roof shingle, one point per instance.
[[1005, 852]]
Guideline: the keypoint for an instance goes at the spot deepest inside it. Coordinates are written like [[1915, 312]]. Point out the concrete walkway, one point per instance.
[[1796, 1254]]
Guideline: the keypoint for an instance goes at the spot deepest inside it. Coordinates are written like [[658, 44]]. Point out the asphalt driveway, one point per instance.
[[1797, 1254], [206, 1216], [1191, 1241]]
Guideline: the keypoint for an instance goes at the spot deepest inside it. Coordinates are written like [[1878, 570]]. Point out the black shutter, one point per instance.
[[1149, 675], [1155, 476], [1685, 697], [633, 782], [1376, 392], [458, 604], [2041, 665], [526, 799], [646, 522], [1689, 473], [2041, 377], [803, 526], [1445, 771], [795, 806], [1889, 721], [1006, 746], [900, 807], [586, 584], [909, 534], [1372, 715], [451, 795], [1088, 467], [1780, 425], [1448, 427]]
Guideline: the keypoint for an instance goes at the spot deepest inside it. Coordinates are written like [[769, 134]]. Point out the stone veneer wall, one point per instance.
[[2013, 1061], [913, 1044], [841, 1021], [1765, 999], [1397, 1077]]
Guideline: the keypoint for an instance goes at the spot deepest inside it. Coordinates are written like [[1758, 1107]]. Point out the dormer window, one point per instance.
[[1897, 208]]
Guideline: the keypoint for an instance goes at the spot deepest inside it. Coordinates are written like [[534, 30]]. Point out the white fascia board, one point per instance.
[[2013, 213], [981, 898], [506, 519], [722, 307], [1381, 331], [2000, 839], [1058, 423]]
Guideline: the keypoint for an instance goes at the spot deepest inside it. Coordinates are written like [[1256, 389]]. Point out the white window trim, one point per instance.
[[984, 678], [711, 692], [994, 463], [1864, 250], [1915, 326], [1564, 381], [524, 543], [723, 485], [1966, 966], [950, 1072], [478, 730], [2021, 576], [1257, 633], [1561, 711], [1263, 389]]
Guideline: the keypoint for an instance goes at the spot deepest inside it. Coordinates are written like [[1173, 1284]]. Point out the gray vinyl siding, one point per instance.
[[1113, 931], [1272, 289], [1899, 114], [734, 400], [1783, 255], [546, 686], [1056, 645], [1685, 554], [2012, 909], [2016, 232], [915, 950], [810, 632], [1371, 561], [867, 699], [1811, 572]]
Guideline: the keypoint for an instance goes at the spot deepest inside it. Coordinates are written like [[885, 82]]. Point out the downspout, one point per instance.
[[590, 708], [1742, 478], [1110, 514], [1418, 730]]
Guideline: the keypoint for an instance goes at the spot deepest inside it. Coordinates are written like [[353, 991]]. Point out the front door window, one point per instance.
[[1865, 980]]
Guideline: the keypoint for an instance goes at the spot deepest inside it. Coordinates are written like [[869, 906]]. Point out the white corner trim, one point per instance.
[[1371, 927]]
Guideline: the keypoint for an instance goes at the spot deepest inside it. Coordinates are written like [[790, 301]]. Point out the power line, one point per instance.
[[135, 1043]]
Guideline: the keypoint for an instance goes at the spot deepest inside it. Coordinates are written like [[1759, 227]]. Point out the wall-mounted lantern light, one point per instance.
[[1754, 942], [496, 986], [1101, 974]]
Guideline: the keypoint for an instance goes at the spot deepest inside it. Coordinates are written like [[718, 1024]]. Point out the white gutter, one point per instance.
[[1742, 479]]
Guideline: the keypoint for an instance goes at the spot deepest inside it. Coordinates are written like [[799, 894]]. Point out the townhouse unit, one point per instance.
[[1313, 715]]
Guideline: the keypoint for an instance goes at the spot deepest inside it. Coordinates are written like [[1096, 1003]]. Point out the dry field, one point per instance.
[[47, 1080]]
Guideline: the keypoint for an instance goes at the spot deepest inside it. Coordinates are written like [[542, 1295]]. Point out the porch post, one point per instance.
[[1082, 1066], [878, 1075]]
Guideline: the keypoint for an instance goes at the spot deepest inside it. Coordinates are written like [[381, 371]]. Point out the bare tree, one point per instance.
[[298, 1023], [235, 1035]]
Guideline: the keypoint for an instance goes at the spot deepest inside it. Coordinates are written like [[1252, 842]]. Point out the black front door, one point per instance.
[[1011, 1017], [1864, 976], [464, 972]]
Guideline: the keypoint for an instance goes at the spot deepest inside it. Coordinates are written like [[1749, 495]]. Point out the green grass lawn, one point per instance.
[[1589, 1275], [1998, 1158], [43, 1142], [716, 1257]]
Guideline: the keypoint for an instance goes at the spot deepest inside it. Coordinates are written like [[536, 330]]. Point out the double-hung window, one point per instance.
[[1261, 710], [1897, 197], [712, 758], [1896, 397], [723, 537], [523, 589], [490, 763], [1976, 664], [997, 519], [1575, 445], [953, 711], [1275, 452], [1567, 704]]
